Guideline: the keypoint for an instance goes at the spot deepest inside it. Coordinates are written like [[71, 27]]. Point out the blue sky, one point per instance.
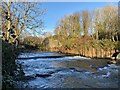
[[56, 10]]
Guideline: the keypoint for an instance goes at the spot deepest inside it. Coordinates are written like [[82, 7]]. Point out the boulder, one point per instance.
[[115, 58], [116, 55], [112, 62], [43, 75], [24, 78]]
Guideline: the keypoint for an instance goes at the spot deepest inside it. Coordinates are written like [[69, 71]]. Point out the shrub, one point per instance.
[[9, 55]]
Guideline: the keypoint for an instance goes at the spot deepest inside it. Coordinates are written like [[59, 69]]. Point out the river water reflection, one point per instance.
[[68, 72]]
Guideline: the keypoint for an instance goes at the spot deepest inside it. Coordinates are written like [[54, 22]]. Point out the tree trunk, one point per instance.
[[96, 34], [9, 22], [113, 39]]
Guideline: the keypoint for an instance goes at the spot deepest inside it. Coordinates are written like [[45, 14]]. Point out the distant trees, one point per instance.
[[47, 34], [87, 32], [32, 42], [69, 25], [106, 23], [101, 23], [85, 22], [90, 30], [19, 16]]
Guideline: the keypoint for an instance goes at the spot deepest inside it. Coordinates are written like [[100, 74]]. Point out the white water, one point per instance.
[[36, 54], [69, 72]]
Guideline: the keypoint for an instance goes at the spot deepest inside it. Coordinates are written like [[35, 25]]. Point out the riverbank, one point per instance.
[[63, 53], [93, 54], [109, 59]]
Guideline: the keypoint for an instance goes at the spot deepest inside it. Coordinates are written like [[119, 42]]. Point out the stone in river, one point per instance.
[[43, 75], [112, 62], [116, 55]]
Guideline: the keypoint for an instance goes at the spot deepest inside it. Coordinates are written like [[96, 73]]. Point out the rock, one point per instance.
[[112, 62], [116, 55], [59, 51], [94, 66], [115, 58], [43, 75], [28, 78]]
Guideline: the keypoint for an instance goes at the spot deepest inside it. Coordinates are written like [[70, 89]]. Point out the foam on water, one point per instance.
[[108, 71], [31, 67], [36, 54], [107, 75], [77, 57]]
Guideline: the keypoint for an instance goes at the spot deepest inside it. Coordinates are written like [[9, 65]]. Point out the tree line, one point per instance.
[[100, 24], [88, 33], [79, 31], [96, 31]]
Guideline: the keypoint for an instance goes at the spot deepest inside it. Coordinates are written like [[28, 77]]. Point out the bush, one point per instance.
[[9, 55], [33, 42], [106, 44]]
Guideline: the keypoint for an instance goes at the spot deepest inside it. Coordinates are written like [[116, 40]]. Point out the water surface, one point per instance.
[[68, 72]]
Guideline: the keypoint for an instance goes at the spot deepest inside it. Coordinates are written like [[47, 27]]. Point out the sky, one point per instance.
[[57, 10]]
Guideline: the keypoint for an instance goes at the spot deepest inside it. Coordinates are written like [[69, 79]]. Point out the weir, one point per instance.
[[50, 70]]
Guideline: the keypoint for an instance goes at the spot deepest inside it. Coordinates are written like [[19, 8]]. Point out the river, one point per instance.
[[67, 72]]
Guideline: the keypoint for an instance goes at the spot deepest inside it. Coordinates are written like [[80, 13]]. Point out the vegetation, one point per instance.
[[88, 33], [102, 25], [33, 43], [10, 70], [84, 31], [14, 23]]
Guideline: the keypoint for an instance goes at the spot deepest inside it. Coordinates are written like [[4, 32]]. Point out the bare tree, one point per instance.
[[20, 16], [69, 25], [85, 22], [106, 23]]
